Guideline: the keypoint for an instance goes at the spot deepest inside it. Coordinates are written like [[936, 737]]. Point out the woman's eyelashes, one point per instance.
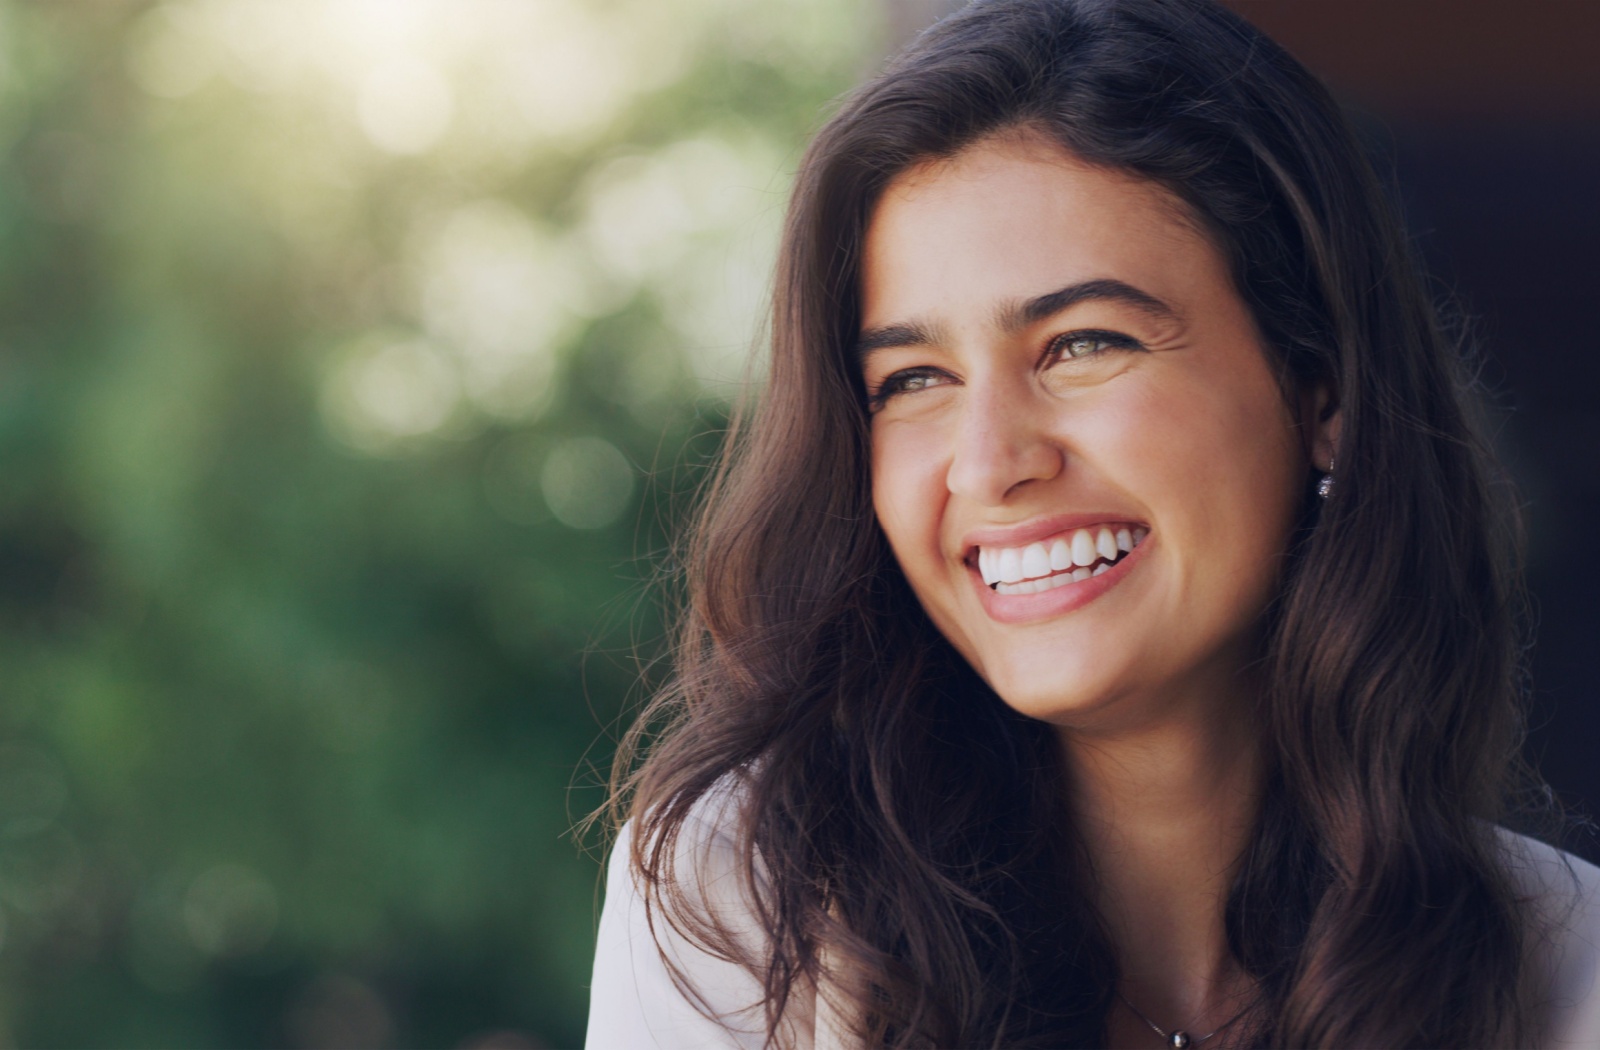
[[1073, 345], [1069, 346], [906, 381]]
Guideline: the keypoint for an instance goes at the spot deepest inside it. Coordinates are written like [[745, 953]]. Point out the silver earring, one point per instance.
[[1325, 485]]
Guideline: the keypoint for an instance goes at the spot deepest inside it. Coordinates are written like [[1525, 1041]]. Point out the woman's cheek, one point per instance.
[[1141, 441], [908, 486]]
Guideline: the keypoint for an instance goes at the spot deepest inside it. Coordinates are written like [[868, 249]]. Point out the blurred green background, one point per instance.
[[355, 358]]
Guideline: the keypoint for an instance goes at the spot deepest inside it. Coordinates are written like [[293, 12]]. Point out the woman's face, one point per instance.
[[1061, 370]]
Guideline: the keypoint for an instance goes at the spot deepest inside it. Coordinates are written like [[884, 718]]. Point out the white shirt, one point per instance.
[[1565, 948], [635, 1004]]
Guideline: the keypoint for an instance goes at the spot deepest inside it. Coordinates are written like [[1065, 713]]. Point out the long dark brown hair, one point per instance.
[[904, 838]]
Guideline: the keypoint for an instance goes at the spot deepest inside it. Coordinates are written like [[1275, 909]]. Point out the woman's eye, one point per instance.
[[907, 382], [1081, 346], [1087, 344], [916, 381]]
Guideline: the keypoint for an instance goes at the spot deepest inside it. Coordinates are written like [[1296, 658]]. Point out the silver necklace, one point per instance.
[[1178, 1039]]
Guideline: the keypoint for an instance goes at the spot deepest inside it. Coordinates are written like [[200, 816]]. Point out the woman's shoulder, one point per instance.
[[656, 983], [1563, 893]]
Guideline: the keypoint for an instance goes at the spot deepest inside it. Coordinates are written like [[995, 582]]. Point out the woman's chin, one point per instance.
[[1054, 693]]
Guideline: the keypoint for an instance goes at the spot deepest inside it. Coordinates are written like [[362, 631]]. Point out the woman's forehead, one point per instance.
[[1018, 216], [1035, 148]]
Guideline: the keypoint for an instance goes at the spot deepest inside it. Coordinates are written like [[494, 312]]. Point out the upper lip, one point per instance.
[[1027, 532]]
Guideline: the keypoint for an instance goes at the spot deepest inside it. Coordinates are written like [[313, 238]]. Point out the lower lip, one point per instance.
[[1023, 608]]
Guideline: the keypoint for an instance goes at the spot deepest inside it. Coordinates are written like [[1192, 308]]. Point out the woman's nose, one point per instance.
[[1000, 444]]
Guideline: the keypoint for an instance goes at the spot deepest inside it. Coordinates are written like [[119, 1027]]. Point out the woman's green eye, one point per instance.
[[1082, 345], [908, 382], [1087, 344]]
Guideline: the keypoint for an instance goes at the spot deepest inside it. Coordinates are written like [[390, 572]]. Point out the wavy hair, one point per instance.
[[903, 834]]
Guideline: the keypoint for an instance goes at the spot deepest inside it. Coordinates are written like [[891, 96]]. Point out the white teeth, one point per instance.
[[1067, 559], [1035, 561], [1083, 552], [1105, 545], [1035, 586]]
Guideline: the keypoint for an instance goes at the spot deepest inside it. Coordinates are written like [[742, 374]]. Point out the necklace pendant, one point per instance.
[[1180, 1041]]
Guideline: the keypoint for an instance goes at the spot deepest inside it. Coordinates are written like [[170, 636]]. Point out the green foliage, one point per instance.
[[348, 356]]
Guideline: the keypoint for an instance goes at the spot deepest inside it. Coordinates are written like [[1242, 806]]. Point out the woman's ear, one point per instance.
[[1320, 411]]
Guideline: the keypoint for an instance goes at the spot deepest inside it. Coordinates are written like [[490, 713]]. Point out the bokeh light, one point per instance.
[[356, 357]]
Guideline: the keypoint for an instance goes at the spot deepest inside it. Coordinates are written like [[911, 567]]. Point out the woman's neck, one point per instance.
[[1167, 809]]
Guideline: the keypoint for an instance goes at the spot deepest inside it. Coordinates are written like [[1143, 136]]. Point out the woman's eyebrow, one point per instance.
[[1017, 315], [906, 333]]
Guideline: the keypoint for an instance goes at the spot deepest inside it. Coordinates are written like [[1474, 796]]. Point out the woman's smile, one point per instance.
[[1082, 458], [1052, 566]]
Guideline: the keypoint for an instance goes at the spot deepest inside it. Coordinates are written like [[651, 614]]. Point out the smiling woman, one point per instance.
[[1136, 399], [1104, 631]]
